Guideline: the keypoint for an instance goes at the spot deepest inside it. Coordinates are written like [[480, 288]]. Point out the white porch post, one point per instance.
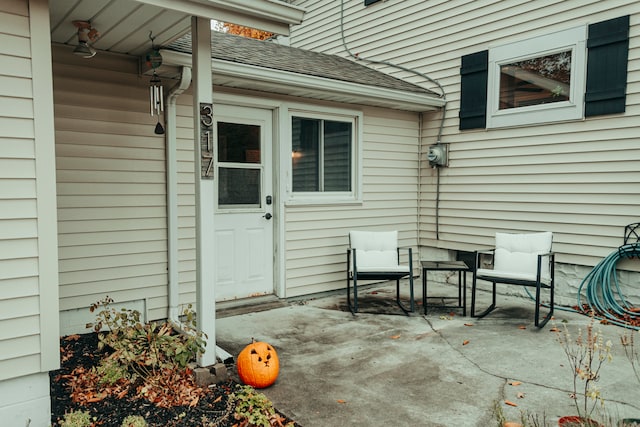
[[202, 93]]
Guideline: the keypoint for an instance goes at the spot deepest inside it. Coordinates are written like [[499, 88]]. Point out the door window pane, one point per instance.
[[541, 80], [321, 155], [239, 187], [238, 143], [239, 165]]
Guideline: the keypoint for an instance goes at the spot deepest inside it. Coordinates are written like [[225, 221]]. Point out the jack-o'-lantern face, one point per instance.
[[258, 365]]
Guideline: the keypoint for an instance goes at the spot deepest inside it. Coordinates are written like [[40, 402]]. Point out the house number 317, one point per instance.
[[206, 143]]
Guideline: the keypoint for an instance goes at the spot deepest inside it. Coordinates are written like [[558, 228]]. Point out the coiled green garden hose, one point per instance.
[[602, 290], [599, 293]]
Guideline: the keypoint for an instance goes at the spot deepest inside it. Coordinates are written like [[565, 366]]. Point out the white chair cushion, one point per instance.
[[483, 272], [376, 251], [517, 254], [382, 269]]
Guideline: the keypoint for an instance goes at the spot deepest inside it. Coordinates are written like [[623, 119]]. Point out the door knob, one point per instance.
[[267, 216]]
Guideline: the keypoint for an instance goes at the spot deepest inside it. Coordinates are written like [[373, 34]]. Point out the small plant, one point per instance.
[[254, 409], [134, 421], [76, 419], [527, 419], [151, 357], [631, 352], [586, 353], [145, 349], [498, 413], [533, 420], [111, 372]]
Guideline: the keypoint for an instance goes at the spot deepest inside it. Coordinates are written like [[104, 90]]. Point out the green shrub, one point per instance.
[[111, 372], [76, 419], [144, 349], [255, 408], [134, 421]]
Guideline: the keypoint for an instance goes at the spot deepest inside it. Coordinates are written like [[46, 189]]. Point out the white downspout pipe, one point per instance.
[[172, 194], [172, 206]]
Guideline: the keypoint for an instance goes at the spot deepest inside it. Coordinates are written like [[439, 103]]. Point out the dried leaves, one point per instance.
[[166, 389], [147, 358], [85, 388], [171, 388]]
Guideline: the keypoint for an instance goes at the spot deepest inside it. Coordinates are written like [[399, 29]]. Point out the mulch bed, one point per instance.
[[211, 410]]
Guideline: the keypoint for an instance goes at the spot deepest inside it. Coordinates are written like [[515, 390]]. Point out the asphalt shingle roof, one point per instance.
[[271, 55]]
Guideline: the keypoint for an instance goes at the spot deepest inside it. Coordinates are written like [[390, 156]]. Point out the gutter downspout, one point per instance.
[[172, 206], [172, 194], [420, 124]]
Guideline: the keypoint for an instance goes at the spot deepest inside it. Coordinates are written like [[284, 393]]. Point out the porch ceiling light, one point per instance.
[[86, 35]]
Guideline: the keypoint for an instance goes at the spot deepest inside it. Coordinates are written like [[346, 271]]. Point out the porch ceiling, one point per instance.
[[125, 25]]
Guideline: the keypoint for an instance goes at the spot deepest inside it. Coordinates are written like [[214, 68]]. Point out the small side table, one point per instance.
[[461, 267]]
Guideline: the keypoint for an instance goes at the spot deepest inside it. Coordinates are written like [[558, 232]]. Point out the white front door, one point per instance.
[[244, 202]]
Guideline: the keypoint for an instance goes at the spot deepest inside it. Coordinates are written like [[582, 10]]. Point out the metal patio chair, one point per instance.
[[518, 259], [375, 255]]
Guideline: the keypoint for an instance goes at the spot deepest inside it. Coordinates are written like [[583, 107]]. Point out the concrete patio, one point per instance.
[[442, 369]]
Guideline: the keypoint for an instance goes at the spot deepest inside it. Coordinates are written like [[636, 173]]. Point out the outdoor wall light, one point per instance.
[[86, 35]]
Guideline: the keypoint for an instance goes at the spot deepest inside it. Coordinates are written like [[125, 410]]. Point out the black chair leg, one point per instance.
[[473, 296], [399, 302], [355, 295], [538, 323], [353, 307], [473, 300]]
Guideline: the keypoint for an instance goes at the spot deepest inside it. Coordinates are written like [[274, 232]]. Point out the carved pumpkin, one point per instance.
[[258, 365]]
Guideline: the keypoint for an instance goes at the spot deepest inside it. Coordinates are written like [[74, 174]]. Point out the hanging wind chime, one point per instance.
[[156, 91]]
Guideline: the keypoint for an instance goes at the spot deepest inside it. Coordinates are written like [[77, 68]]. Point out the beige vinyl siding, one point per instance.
[[23, 349], [186, 202], [111, 185], [317, 236], [578, 179]]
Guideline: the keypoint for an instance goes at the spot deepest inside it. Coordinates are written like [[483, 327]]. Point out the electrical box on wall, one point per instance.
[[438, 155]]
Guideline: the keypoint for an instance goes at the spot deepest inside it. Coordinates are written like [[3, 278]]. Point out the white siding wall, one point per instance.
[[25, 254], [111, 185], [29, 344], [577, 179], [186, 202], [317, 236], [19, 294]]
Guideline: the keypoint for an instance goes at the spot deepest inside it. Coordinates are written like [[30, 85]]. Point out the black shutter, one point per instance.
[[473, 90], [608, 48], [368, 2]]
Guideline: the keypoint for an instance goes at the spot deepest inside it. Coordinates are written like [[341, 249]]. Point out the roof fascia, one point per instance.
[[408, 100], [268, 15]]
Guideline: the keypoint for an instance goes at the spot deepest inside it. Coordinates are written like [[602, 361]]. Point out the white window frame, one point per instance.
[[325, 197], [573, 39]]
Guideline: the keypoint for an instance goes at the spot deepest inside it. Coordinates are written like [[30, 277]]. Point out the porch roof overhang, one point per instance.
[[247, 76], [270, 15], [125, 27]]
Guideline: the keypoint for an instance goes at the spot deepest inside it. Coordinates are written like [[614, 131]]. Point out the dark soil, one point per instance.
[[212, 409]]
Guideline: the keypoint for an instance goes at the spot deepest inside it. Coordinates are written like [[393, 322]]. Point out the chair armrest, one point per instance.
[[550, 255], [409, 252], [405, 248]]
